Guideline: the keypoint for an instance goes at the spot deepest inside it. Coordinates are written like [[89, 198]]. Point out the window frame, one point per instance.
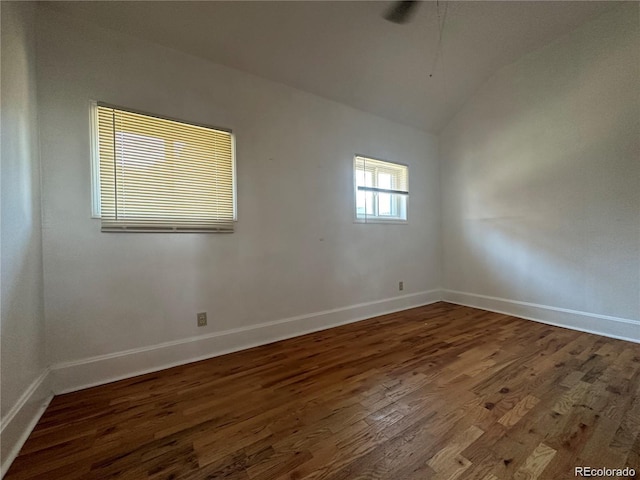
[[376, 219], [96, 212]]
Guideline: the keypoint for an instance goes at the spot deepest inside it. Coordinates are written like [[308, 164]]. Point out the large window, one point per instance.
[[158, 175], [381, 190]]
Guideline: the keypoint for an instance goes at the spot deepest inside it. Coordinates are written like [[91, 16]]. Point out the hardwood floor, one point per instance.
[[438, 392]]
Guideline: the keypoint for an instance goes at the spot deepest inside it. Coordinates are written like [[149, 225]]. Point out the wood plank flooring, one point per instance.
[[437, 392]]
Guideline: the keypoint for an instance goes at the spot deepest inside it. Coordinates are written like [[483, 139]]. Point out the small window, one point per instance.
[[153, 174], [381, 190]]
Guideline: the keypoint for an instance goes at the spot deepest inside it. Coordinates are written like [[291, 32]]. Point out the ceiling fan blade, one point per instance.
[[400, 12]]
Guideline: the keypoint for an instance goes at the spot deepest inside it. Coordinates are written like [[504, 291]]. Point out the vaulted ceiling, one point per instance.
[[346, 51]]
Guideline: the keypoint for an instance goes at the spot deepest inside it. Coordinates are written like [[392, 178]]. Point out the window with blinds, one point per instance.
[[160, 175], [381, 191]]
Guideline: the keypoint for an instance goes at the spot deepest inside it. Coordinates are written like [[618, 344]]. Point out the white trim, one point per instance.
[[20, 421], [605, 325], [76, 375], [376, 219], [101, 369], [95, 160], [234, 176]]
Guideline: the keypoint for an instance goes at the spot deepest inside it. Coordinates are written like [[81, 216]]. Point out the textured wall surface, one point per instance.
[[540, 174]]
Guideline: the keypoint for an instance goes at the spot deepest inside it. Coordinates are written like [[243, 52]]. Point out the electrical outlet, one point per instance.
[[400, 286], [202, 319]]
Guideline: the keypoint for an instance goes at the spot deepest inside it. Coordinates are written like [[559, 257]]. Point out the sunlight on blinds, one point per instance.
[[163, 175]]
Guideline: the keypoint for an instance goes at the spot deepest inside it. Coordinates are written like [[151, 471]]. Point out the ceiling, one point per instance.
[[346, 51]]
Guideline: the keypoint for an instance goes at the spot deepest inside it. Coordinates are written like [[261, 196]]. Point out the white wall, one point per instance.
[[541, 180], [23, 363], [540, 206], [296, 249]]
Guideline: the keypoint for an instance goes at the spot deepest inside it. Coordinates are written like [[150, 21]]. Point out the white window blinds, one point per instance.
[[163, 175], [382, 190]]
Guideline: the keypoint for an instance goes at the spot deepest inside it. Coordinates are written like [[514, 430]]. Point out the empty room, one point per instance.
[[320, 240]]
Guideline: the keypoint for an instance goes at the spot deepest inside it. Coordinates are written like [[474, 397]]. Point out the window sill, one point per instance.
[[388, 221]]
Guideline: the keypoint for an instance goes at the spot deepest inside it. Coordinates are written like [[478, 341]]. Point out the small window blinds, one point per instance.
[[161, 175], [382, 189]]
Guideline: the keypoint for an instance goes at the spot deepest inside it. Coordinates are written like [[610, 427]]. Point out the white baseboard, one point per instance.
[[88, 372], [71, 376], [614, 327], [22, 418]]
